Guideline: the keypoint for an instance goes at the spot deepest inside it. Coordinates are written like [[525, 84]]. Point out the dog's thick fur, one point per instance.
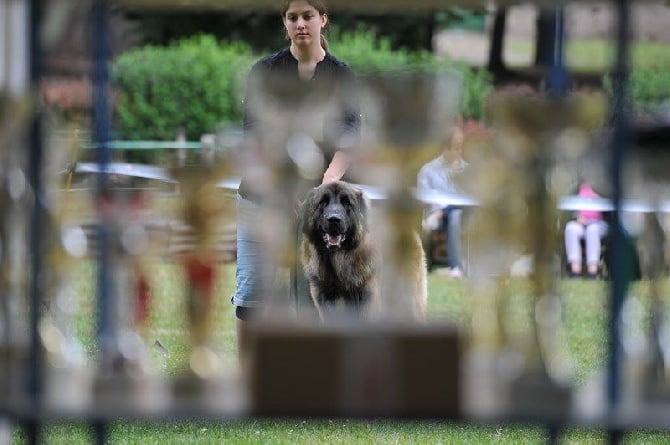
[[340, 256]]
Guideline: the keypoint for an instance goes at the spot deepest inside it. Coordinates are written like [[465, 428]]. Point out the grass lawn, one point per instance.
[[595, 55], [585, 303]]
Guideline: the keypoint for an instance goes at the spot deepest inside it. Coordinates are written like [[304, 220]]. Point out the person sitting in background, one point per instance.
[[589, 226], [437, 176]]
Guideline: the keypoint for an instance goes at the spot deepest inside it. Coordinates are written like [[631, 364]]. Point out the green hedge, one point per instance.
[[367, 53], [194, 82], [198, 83], [649, 88]]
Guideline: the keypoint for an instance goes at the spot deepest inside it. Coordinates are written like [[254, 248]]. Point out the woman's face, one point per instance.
[[303, 23]]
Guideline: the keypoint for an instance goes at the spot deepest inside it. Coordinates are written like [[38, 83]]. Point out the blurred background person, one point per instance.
[[589, 226], [438, 176]]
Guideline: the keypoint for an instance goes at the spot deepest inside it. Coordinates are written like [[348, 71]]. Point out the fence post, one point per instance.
[[207, 149], [181, 151]]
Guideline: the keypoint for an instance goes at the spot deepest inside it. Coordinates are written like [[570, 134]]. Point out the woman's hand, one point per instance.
[[338, 166]]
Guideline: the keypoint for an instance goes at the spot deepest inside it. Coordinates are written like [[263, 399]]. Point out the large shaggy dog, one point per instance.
[[340, 255]]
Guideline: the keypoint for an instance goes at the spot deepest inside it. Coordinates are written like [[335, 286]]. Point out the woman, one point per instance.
[[300, 89], [437, 176]]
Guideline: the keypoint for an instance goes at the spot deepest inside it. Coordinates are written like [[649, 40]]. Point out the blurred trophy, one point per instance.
[[15, 200], [407, 117], [517, 180], [125, 375], [647, 179], [202, 208], [68, 375], [493, 228]]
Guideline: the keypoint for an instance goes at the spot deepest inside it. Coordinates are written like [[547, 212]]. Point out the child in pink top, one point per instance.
[[589, 226], [586, 191]]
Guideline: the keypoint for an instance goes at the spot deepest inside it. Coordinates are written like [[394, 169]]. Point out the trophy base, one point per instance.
[[128, 393], [190, 386], [68, 388], [484, 396], [210, 396], [656, 392], [536, 396]]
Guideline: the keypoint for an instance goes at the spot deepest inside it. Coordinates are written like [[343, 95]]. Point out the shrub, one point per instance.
[[649, 88], [367, 53], [194, 83], [477, 85], [197, 83]]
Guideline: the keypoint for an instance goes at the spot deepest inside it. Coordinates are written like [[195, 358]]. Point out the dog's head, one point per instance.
[[334, 216]]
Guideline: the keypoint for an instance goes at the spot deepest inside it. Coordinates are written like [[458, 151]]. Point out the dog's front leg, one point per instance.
[[324, 303], [359, 302]]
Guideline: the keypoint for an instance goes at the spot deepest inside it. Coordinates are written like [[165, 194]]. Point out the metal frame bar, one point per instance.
[[36, 238], [100, 18], [619, 142]]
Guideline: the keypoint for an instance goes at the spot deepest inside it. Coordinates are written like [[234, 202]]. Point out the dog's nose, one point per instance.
[[332, 215]]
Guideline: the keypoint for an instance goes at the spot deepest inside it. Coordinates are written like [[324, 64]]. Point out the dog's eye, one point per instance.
[[324, 200], [345, 201]]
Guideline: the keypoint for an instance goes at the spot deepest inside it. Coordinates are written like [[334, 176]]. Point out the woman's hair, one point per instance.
[[320, 8]]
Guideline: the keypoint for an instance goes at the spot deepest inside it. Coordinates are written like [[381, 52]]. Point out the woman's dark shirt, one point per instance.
[[276, 93]]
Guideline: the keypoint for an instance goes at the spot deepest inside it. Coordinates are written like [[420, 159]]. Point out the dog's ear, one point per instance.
[[305, 209], [362, 208], [359, 223], [363, 205]]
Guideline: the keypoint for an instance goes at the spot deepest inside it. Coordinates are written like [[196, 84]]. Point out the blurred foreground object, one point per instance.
[[407, 116], [202, 209], [647, 347], [17, 349], [352, 370], [517, 178]]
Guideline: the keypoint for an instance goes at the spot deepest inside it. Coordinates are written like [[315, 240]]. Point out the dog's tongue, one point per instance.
[[334, 240]]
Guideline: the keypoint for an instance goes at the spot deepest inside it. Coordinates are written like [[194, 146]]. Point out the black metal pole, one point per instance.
[[100, 432], [35, 366], [102, 133], [101, 122], [558, 75], [496, 64], [553, 434], [619, 142]]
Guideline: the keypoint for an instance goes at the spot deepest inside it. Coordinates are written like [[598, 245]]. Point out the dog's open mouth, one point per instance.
[[333, 240]]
